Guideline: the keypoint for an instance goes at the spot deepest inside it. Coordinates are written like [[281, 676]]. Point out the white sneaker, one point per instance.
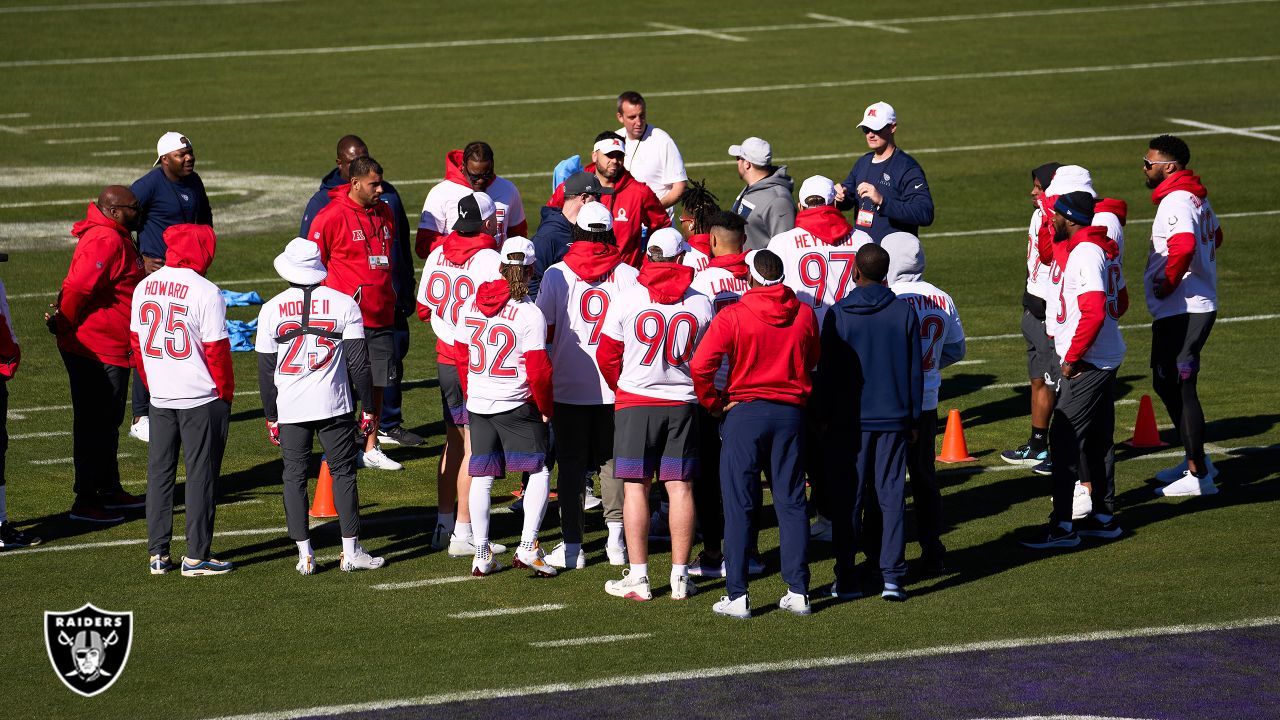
[[306, 565], [698, 569], [820, 530], [141, 429], [465, 548], [533, 560], [1169, 475], [481, 568], [556, 558], [617, 554], [359, 560], [631, 587], [590, 501], [1082, 503], [795, 603], [1188, 485], [440, 537], [682, 588], [740, 608], [377, 460]]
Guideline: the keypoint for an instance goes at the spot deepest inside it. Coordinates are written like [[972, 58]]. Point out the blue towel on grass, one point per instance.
[[243, 334], [235, 299]]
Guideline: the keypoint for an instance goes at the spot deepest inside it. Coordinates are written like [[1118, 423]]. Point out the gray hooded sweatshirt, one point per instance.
[[767, 207]]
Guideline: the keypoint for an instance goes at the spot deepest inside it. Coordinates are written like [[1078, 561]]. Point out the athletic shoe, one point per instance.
[[556, 558], [465, 548], [591, 502], [617, 553], [399, 436], [838, 592], [440, 537], [533, 560], [795, 603], [820, 530], [306, 565], [141, 429], [682, 588], [376, 460], [702, 567], [1044, 468], [893, 593], [740, 608], [1054, 537], [122, 501], [1082, 503], [1024, 456], [93, 513], [160, 564], [1169, 475], [517, 505], [1091, 526], [631, 587], [659, 528], [11, 537], [932, 566], [481, 568], [1188, 485], [196, 568]]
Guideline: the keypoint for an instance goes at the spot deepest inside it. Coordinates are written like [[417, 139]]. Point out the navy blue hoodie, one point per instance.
[[550, 243], [907, 205], [870, 377]]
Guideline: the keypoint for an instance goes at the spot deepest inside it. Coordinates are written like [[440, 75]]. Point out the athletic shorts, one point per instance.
[[1042, 362], [511, 441], [1176, 342], [656, 439], [453, 402], [382, 355]]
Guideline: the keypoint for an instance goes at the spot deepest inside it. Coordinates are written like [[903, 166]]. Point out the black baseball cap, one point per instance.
[[473, 210], [584, 183]]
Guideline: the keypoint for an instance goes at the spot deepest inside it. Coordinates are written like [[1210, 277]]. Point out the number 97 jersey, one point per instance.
[[311, 372]]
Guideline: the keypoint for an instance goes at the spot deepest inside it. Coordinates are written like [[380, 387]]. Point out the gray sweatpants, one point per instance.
[[338, 438], [202, 433]]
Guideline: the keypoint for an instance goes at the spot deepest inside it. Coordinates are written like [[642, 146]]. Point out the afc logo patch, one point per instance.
[[88, 647], [357, 236]]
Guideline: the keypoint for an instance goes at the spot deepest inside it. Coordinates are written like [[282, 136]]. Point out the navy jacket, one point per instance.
[[550, 244], [401, 246], [907, 203], [166, 203], [870, 376]]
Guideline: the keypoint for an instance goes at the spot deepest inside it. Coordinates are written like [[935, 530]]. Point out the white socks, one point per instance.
[[349, 545], [535, 505], [481, 489], [615, 533], [640, 569], [679, 571], [462, 531], [304, 549]]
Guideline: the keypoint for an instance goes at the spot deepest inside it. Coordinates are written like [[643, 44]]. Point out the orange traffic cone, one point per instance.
[[1145, 432], [322, 506], [954, 449]]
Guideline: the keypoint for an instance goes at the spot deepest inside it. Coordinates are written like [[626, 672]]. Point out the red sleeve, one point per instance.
[[557, 197], [1182, 249], [712, 349], [90, 270], [538, 367], [135, 341], [424, 241], [1122, 301], [1044, 243], [10, 353], [462, 361], [424, 312], [1092, 312], [609, 359], [218, 356], [320, 235], [519, 230]]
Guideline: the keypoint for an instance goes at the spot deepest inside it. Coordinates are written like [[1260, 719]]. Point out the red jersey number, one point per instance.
[[931, 328], [177, 339], [447, 296], [672, 339], [315, 359], [502, 338], [593, 306]]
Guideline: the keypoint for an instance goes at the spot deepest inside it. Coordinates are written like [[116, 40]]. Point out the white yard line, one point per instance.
[[80, 7], [14, 116], [723, 671], [21, 413], [1225, 130], [85, 201], [123, 153], [219, 283], [970, 362], [30, 436], [68, 461], [1048, 11], [593, 640], [1137, 326], [500, 612], [77, 141], [430, 582], [858, 23], [694, 31]]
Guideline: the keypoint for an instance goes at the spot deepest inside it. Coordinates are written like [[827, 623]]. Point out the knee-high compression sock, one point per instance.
[[481, 487], [535, 506]]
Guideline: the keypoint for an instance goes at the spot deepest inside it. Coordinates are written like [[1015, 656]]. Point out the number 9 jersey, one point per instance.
[[311, 373]]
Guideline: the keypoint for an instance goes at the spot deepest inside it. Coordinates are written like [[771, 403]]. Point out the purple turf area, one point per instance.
[[1222, 674]]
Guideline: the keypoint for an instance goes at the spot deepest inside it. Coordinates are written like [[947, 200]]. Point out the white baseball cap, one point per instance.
[[610, 145], [753, 150], [514, 245], [595, 217], [169, 142], [877, 115], [1069, 179], [300, 264], [819, 185], [668, 240]]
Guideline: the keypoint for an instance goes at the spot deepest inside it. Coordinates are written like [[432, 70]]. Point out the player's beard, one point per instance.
[[1153, 183], [1060, 232]]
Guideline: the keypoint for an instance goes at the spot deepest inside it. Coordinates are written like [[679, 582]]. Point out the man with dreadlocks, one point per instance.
[[501, 355], [469, 170], [698, 206]]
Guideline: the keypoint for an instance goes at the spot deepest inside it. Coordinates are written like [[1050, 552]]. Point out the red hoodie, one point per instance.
[[633, 204], [350, 236], [96, 296], [1182, 247], [735, 265], [667, 283], [1119, 208], [1093, 305], [426, 239], [592, 261], [701, 242], [491, 297], [1044, 235], [826, 223], [771, 340]]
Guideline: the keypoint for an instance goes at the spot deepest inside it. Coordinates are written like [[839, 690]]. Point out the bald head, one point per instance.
[[118, 203], [350, 147]]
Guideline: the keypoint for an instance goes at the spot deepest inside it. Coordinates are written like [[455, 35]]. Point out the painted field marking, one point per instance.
[[1224, 129], [846, 22], [68, 461], [21, 413], [695, 31], [1011, 336], [219, 283], [77, 141], [84, 201], [131, 5], [429, 582], [595, 640], [707, 673], [123, 153], [14, 116], [500, 612], [30, 436], [969, 362]]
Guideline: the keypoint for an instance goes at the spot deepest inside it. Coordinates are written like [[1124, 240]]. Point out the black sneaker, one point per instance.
[[1025, 456], [1091, 526], [11, 537], [1044, 468], [399, 436], [1055, 537]]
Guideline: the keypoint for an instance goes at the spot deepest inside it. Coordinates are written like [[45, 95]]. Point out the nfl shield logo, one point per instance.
[[88, 647]]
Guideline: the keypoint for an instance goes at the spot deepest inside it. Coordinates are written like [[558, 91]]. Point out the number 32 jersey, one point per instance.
[[311, 373]]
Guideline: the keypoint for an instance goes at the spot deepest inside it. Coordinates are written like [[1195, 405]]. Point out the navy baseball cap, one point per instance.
[[584, 183], [1076, 207]]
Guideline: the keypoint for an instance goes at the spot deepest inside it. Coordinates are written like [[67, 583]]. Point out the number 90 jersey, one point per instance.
[[657, 344], [175, 312], [311, 372]]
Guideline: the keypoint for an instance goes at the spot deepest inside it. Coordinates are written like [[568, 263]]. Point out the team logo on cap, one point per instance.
[[871, 112], [88, 647]]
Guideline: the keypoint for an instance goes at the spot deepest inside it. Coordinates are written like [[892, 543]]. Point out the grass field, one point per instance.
[[264, 88]]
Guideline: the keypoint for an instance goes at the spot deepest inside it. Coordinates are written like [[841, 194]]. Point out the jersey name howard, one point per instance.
[[161, 288]]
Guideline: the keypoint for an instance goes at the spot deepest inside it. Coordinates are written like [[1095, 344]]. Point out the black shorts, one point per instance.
[[655, 439], [382, 355], [511, 441], [452, 400], [1042, 361], [1176, 342]]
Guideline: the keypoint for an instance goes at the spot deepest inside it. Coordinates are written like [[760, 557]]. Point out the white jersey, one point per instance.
[[658, 342], [445, 287], [311, 371], [1115, 230], [496, 376], [1038, 283], [1088, 270], [939, 326], [1183, 212], [695, 259], [819, 274], [724, 290], [175, 312], [654, 160], [577, 310], [440, 210]]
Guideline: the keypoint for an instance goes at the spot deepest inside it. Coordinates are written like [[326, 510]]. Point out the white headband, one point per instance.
[[751, 265]]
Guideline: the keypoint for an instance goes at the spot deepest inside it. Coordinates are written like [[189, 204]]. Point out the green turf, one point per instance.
[[265, 639]]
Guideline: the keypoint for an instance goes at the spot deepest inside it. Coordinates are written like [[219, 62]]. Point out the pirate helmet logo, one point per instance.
[[88, 647]]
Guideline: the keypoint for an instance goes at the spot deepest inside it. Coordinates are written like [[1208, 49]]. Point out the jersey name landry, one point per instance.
[[161, 288], [291, 308]]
